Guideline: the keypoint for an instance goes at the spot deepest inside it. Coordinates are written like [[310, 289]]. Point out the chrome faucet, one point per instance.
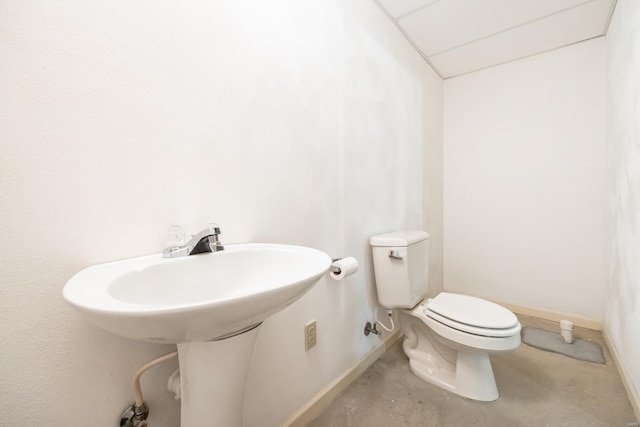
[[205, 241]]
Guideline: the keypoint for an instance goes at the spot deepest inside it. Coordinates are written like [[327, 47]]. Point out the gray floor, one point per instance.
[[537, 388]]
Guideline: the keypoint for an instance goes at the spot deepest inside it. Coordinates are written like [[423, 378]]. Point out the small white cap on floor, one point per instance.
[[566, 331]]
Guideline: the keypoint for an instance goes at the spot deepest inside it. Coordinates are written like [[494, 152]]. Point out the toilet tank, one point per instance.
[[401, 267]]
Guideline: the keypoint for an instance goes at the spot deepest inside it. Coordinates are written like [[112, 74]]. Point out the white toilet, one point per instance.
[[448, 338]]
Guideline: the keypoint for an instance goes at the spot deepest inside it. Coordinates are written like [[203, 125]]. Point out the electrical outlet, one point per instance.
[[310, 333]]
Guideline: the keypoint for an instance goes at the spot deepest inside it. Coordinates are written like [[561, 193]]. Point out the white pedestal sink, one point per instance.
[[210, 304]]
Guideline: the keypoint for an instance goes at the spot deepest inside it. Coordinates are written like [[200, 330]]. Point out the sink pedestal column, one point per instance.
[[213, 376]]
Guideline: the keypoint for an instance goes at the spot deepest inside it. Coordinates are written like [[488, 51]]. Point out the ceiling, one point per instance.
[[460, 36]]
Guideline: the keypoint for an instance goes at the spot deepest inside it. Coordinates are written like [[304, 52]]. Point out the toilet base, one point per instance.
[[464, 371], [472, 376]]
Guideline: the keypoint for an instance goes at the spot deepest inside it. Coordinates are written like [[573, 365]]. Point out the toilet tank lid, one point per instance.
[[399, 238]]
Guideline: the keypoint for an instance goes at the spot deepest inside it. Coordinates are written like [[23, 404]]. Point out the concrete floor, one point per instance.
[[537, 388]]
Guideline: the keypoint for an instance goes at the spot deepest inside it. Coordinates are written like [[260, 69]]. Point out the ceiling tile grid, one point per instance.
[[461, 36]]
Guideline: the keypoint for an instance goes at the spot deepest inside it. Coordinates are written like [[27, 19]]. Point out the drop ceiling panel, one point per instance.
[[460, 36], [580, 23], [447, 24], [398, 8]]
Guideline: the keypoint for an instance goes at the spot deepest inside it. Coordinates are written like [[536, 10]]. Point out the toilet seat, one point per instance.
[[485, 332], [472, 315], [478, 340]]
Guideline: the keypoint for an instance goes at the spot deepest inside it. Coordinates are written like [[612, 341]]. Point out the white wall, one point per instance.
[[433, 194], [622, 293], [284, 121], [523, 181]]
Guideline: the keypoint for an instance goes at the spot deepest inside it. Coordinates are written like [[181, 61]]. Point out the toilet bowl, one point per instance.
[[454, 355], [449, 338]]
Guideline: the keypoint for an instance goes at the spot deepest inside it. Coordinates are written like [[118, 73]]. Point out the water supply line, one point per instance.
[[384, 327], [136, 415], [369, 329], [137, 388]]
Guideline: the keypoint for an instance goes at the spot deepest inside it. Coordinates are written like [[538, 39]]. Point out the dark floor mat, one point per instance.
[[551, 341]]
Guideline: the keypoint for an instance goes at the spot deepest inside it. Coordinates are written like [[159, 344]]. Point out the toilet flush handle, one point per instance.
[[395, 253]]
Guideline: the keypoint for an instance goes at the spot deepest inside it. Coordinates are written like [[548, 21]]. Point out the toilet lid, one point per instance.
[[475, 330], [472, 311]]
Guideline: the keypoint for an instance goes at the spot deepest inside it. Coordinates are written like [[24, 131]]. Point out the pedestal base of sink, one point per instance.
[[213, 376]]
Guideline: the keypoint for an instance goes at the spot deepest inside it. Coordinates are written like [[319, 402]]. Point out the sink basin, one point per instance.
[[202, 297]]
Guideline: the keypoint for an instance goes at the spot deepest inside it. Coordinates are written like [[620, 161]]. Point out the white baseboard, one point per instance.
[[319, 402], [582, 322], [624, 375]]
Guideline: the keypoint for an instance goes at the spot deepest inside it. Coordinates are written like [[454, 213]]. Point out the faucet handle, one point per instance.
[[175, 237]]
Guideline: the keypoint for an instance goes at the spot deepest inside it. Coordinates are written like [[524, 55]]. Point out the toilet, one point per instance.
[[448, 339]]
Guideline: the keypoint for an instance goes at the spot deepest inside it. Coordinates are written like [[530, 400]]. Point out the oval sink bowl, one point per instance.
[[201, 297]]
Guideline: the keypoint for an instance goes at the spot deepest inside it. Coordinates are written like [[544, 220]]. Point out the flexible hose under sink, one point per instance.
[[137, 388], [136, 415]]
